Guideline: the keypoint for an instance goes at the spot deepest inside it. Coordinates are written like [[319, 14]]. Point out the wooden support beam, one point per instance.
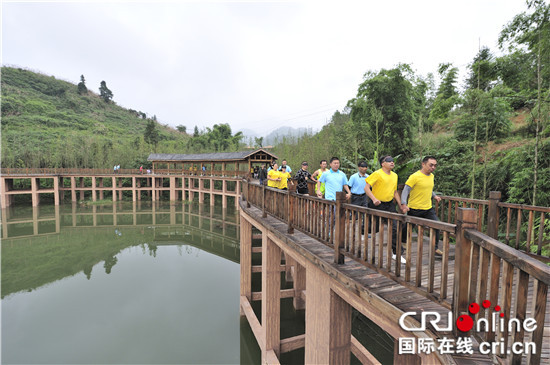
[[246, 259], [299, 286], [271, 293], [255, 325], [328, 322], [361, 353], [285, 293], [258, 268], [293, 343]]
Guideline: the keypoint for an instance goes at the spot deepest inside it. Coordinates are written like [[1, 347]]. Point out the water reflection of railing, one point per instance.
[[44, 220], [81, 237]]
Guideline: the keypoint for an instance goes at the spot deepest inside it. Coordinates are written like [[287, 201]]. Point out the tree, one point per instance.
[[151, 134], [221, 139], [390, 93], [82, 89], [483, 71], [182, 128], [105, 93], [533, 30], [447, 95], [258, 142]]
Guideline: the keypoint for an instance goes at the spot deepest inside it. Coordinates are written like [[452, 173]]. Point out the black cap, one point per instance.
[[387, 158]]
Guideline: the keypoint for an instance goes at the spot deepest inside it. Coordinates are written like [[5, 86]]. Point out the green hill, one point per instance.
[[47, 123]]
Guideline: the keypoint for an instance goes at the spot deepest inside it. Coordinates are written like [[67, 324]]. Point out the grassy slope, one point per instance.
[[44, 115]]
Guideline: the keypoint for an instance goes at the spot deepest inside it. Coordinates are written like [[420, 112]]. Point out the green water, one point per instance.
[[135, 283], [122, 284]]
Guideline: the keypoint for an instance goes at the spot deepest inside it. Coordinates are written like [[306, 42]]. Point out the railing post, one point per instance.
[[492, 218], [466, 219], [264, 213], [246, 192], [339, 228], [291, 198]]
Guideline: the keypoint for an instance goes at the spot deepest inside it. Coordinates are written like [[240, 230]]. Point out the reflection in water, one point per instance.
[[124, 283], [134, 283], [33, 256]]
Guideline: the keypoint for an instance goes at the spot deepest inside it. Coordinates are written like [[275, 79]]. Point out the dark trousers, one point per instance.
[[426, 214], [388, 207], [360, 200], [302, 191]]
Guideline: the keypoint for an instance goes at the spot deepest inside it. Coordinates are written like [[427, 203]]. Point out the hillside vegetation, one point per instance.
[[46, 122]]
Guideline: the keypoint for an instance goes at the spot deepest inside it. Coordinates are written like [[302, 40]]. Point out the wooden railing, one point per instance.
[[340, 226], [477, 265], [504, 276], [520, 226], [93, 172]]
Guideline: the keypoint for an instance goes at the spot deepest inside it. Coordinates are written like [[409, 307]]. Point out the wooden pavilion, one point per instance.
[[225, 163]]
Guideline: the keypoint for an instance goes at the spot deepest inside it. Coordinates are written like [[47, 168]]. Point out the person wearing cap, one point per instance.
[[273, 176], [288, 169], [303, 176], [416, 199], [381, 188], [357, 184], [283, 184]]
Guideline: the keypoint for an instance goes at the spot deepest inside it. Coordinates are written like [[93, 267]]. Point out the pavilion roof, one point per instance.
[[206, 157]]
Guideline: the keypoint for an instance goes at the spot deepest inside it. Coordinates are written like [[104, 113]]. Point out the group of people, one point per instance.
[[278, 176], [376, 191]]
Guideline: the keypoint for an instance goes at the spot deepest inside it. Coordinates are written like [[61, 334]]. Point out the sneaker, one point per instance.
[[438, 252], [403, 260]]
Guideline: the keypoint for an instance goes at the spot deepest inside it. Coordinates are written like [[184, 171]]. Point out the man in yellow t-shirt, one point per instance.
[[317, 175], [381, 188], [273, 176], [417, 195], [283, 184]]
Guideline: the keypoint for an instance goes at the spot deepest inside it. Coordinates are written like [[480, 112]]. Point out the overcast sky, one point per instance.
[[252, 64]]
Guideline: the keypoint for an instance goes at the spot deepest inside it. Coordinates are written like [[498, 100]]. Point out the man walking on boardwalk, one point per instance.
[[317, 175], [335, 181], [303, 176], [357, 184], [416, 199], [383, 183]]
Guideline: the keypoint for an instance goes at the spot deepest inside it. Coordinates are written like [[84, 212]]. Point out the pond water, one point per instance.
[[122, 284], [135, 283]]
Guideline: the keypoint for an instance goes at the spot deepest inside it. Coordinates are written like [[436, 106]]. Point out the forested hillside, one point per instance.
[[488, 132], [48, 122]]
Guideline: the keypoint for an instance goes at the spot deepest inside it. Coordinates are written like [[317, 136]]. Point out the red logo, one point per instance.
[[465, 323]]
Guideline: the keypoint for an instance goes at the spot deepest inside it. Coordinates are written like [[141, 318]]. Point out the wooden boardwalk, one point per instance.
[[373, 282]]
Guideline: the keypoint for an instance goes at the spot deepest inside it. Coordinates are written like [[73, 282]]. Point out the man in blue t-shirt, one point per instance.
[[288, 169], [335, 181], [357, 184]]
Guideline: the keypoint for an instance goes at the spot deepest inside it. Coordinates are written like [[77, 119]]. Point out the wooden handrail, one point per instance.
[[491, 270], [96, 172], [339, 225], [478, 263]]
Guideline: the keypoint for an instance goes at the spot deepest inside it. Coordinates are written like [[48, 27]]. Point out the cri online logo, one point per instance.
[[465, 323]]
